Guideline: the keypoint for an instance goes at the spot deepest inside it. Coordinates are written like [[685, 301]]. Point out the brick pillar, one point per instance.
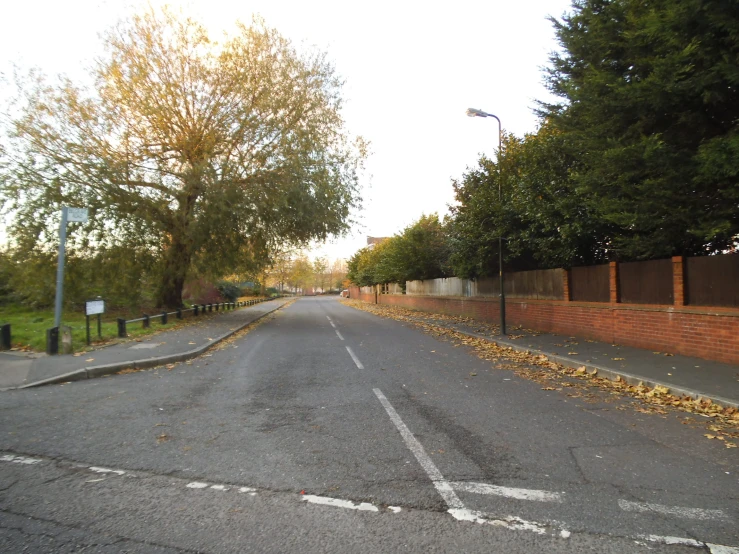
[[678, 280], [566, 293], [613, 283]]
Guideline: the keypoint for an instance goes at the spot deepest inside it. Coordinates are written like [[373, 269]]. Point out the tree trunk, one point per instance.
[[176, 265]]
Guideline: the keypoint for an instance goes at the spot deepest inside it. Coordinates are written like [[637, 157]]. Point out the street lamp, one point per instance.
[[472, 112]]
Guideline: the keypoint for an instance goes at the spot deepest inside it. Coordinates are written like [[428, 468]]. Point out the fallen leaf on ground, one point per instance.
[[709, 436], [170, 366], [617, 359]]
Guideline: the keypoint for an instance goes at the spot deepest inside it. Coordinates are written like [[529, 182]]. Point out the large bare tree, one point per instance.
[[206, 153]]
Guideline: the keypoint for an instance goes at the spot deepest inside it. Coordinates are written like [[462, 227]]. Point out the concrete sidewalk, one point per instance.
[[694, 377], [32, 369]]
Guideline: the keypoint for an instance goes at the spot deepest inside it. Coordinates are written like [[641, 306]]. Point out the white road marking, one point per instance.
[[328, 318], [196, 485], [721, 549], [671, 540], [510, 492], [106, 470], [332, 324], [219, 487], [441, 484], [339, 335], [363, 506], [247, 489], [19, 460], [677, 511], [394, 509], [510, 522], [354, 357]]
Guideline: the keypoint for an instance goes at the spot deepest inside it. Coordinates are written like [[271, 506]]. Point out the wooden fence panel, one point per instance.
[[590, 283], [647, 282], [712, 280], [550, 284], [542, 284]]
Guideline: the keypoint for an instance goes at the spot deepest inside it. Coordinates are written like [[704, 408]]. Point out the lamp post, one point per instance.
[[472, 112]]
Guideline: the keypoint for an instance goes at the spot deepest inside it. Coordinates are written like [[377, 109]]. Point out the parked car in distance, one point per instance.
[[345, 293]]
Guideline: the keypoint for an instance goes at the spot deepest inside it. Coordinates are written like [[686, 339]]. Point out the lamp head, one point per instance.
[[472, 112]]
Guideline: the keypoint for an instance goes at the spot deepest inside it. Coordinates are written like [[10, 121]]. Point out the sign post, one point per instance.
[[69, 215], [94, 307]]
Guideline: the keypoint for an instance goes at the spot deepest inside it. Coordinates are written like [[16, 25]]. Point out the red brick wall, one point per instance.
[[711, 333], [357, 294]]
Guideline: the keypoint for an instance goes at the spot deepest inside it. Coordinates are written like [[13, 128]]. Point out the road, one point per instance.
[[328, 429]]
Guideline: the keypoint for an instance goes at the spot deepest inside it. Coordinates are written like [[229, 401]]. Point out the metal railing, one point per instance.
[[197, 309]]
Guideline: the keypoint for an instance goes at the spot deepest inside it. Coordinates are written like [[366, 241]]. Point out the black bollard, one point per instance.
[[52, 341], [122, 328]]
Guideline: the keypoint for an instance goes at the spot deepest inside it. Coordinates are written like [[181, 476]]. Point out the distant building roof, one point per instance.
[[376, 240]]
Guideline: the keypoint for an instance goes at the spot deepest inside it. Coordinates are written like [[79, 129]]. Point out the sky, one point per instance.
[[411, 69]]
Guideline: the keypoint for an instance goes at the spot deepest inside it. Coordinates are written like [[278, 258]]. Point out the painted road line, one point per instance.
[[442, 485], [671, 540], [106, 470], [332, 324], [339, 335], [19, 460], [354, 357], [676, 511], [327, 317], [509, 492], [196, 485], [721, 549], [337, 503]]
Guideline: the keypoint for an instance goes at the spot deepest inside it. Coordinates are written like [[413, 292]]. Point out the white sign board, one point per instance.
[[77, 214], [93, 307]]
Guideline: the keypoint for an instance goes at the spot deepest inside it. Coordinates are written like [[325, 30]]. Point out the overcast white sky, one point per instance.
[[411, 70]]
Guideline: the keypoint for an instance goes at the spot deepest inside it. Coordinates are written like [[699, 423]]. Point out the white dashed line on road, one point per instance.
[[721, 549], [354, 357], [339, 335], [338, 503], [671, 540], [197, 485], [442, 485], [676, 511], [106, 470], [19, 460], [509, 492], [712, 548]]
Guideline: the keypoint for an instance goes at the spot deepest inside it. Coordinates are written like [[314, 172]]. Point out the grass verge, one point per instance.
[[28, 326]]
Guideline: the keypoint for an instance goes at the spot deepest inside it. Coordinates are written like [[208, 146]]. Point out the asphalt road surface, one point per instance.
[[328, 429]]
